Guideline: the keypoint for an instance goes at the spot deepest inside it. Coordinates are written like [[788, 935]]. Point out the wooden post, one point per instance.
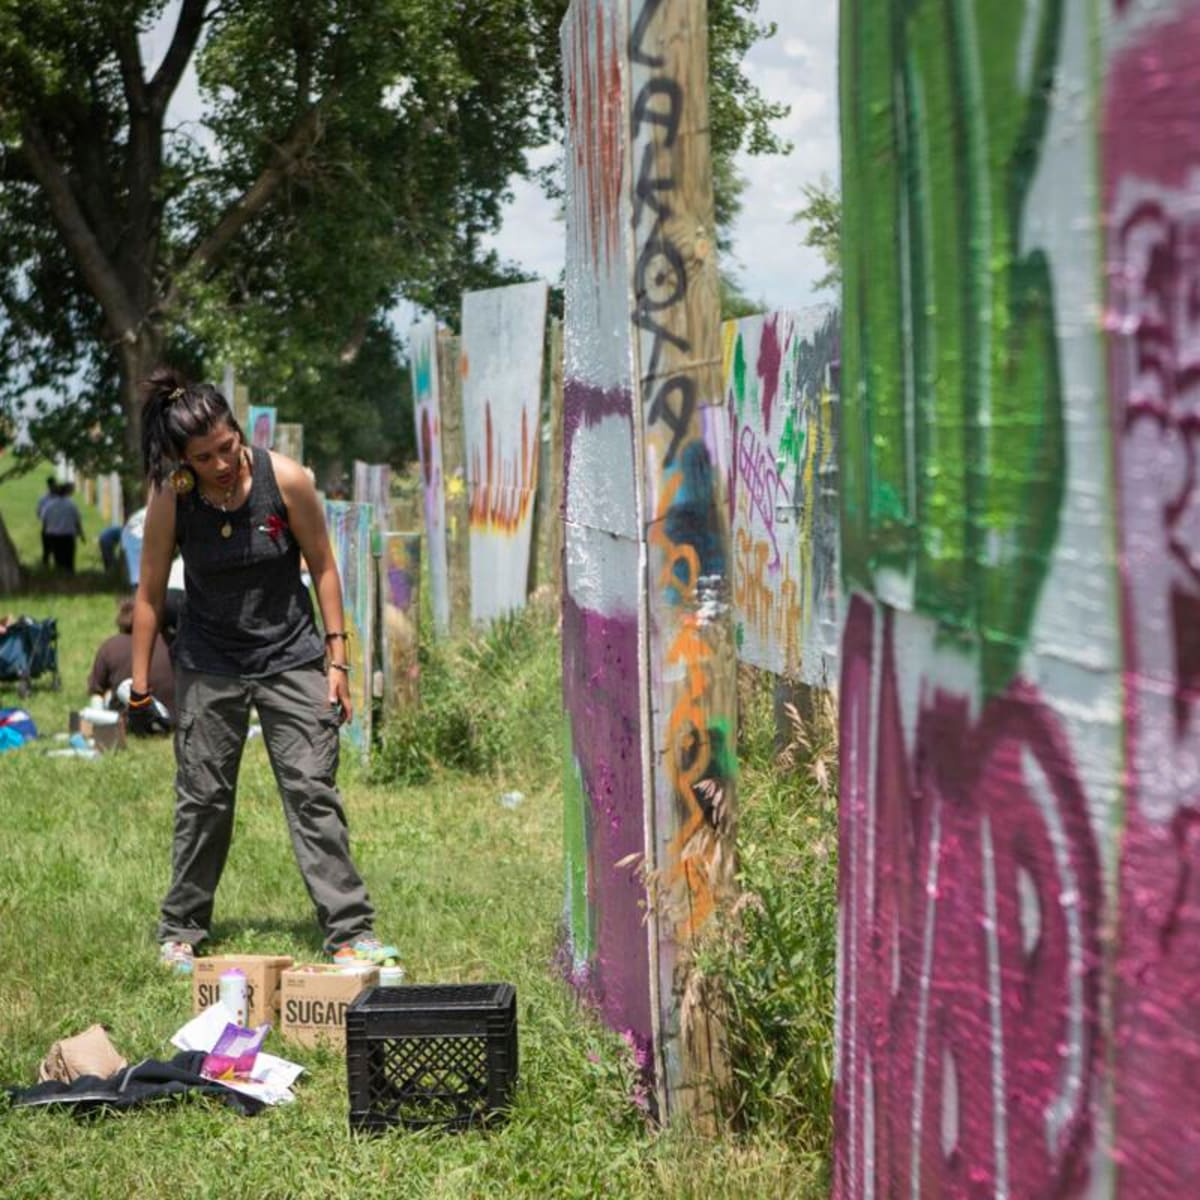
[[350, 536], [428, 410], [548, 534], [643, 364], [399, 591], [690, 646]]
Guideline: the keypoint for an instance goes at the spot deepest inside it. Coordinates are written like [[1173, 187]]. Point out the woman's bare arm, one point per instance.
[[158, 548]]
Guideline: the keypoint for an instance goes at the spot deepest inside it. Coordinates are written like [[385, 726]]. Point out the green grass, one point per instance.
[[470, 889]]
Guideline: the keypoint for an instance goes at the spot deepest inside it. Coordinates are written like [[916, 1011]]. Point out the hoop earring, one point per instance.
[[182, 480]]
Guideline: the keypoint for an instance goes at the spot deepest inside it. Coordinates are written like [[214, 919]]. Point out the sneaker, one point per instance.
[[366, 948], [177, 956]]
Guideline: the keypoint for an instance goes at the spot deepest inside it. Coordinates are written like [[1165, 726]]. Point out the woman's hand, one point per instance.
[[339, 692]]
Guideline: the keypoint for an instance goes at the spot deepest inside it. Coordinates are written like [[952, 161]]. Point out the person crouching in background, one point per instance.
[[113, 666]]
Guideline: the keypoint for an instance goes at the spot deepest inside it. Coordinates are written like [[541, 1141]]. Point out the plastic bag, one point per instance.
[[234, 1054]]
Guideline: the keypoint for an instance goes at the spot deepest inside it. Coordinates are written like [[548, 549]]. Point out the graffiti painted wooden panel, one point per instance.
[[777, 450], [289, 440], [261, 421], [1151, 206], [350, 536], [675, 310], [400, 608], [503, 344], [980, 683], [373, 486], [428, 414], [606, 939]]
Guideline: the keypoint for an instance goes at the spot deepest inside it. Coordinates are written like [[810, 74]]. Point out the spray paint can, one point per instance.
[[234, 993]]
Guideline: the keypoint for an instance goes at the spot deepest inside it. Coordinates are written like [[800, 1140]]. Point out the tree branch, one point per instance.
[[99, 273], [183, 45], [129, 55], [353, 345], [303, 135], [142, 167]]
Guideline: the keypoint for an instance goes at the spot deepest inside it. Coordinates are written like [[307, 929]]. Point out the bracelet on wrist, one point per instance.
[[345, 670], [329, 637], [140, 699]]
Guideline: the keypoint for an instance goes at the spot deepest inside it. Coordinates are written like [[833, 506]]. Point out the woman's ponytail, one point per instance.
[[161, 390], [173, 412]]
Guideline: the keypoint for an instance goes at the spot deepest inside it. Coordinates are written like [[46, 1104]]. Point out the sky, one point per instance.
[[797, 66]]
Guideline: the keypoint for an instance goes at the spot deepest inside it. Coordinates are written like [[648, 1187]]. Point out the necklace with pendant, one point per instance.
[[223, 503]]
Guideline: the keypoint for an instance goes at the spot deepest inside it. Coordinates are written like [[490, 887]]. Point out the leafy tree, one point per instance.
[[822, 216], [362, 408], [350, 152]]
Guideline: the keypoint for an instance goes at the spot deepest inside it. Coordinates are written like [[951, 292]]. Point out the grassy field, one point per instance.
[[471, 890]]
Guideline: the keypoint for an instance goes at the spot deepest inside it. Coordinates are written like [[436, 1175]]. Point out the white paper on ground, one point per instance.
[[202, 1031], [266, 1092], [277, 1071]]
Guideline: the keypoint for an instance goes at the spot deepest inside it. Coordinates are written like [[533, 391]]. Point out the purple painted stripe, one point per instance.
[[600, 674], [586, 405]]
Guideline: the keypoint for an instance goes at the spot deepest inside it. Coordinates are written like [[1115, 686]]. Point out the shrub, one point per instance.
[[488, 704]]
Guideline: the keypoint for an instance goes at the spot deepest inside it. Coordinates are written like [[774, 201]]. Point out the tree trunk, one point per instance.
[[138, 358], [10, 568]]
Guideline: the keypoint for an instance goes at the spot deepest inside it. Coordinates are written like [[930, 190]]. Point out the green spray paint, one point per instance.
[[952, 428], [791, 442], [739, 375], [578, 914]]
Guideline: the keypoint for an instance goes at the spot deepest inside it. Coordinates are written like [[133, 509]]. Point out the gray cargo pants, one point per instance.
[[301, 735]]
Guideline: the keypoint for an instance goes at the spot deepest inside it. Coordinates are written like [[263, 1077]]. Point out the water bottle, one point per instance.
[[233, 993]]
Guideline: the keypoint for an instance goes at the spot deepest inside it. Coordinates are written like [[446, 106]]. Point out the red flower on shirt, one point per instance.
[[275, 527]]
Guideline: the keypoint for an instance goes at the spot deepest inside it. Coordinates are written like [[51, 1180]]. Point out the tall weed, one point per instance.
[[775, 953], [489, 705]]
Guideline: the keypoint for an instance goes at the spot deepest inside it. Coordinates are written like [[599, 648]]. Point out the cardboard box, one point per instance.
[[262, 982], [314, 1000]]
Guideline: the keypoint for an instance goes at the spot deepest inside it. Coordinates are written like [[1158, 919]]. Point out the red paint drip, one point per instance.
[[770, 359]]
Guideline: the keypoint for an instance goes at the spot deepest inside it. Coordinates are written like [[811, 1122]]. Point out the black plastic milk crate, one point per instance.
[[431, 1055]]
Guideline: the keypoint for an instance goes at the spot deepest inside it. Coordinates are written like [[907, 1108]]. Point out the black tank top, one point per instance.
[[248, 613]]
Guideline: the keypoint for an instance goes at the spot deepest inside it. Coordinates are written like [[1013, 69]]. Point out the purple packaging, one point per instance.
[[234, 1054]]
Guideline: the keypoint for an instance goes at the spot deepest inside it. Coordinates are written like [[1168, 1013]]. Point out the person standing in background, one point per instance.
[[63, 527], [43, 502], [110, 543]]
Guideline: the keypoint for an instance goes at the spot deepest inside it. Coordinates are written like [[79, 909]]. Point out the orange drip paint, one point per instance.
[[689, 748], [502, 492]]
